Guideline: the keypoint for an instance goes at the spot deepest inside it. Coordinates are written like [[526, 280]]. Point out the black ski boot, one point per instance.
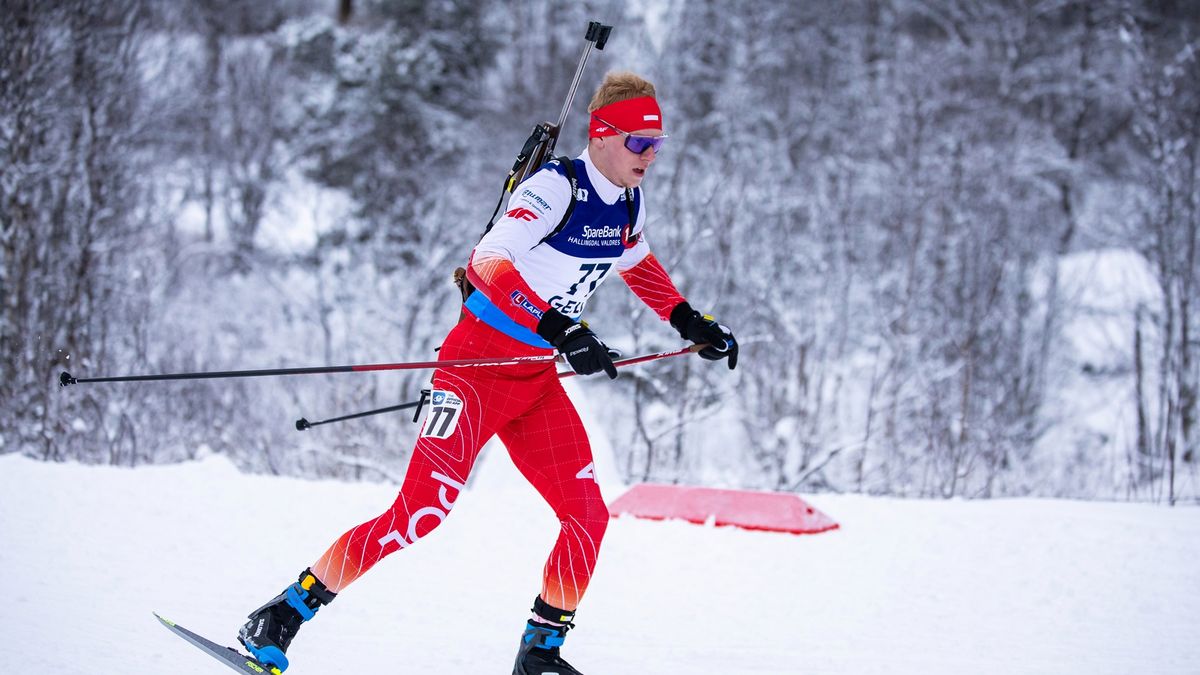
[[271, 627], [538, 654]]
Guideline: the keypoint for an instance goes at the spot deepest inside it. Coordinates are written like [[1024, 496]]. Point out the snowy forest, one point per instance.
[[957, 241]]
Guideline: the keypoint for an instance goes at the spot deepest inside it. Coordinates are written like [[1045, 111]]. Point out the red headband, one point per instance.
[[632, 114]]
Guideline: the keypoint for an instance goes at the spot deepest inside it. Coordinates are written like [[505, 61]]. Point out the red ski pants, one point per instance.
[[524, 405]]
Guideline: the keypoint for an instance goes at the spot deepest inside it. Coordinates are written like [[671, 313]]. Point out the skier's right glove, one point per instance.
[[584, 351]]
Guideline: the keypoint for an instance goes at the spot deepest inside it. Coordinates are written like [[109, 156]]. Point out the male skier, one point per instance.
[[532, 282]]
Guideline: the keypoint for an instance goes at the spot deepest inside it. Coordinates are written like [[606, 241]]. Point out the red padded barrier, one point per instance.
[[773, 511]]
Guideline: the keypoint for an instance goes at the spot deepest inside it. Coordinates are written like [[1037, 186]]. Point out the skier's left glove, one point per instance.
[[703, 329], [584, 351]]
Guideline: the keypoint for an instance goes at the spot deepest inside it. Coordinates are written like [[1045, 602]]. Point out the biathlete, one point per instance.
[[532, 281]]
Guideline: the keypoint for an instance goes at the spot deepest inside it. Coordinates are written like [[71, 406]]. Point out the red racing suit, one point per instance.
[[520, 268]]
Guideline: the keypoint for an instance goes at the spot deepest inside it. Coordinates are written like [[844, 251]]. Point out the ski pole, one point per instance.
[[303, 424], [66, 380], [621, 363]]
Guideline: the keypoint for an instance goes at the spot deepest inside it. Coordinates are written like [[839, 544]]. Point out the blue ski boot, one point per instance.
[[271, 627], [538, 654]]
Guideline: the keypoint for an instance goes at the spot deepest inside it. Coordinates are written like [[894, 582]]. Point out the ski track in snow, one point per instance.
[[905, 586]]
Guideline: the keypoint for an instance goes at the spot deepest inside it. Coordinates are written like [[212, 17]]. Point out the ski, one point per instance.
[[227, 655]]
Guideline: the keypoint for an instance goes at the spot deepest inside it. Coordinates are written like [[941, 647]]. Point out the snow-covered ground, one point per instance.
[[922, 587]]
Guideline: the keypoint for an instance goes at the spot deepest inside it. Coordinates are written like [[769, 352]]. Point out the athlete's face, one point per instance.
[[618, 163]]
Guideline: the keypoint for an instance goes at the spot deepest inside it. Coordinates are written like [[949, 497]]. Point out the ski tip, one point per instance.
[[165, 622]]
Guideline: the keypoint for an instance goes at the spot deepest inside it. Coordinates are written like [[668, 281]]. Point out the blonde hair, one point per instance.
[[619, 86]]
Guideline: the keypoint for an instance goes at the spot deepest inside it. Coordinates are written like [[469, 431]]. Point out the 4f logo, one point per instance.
[[444, 411], [588, 473], [521, 214]]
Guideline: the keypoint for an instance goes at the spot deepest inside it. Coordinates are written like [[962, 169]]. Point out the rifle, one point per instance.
[[540, 144]]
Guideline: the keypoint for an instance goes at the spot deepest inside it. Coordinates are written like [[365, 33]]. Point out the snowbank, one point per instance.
[[922, 587]]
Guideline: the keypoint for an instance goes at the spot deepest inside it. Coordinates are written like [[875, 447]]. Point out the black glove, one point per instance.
[[584, 351], [703, 329]]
